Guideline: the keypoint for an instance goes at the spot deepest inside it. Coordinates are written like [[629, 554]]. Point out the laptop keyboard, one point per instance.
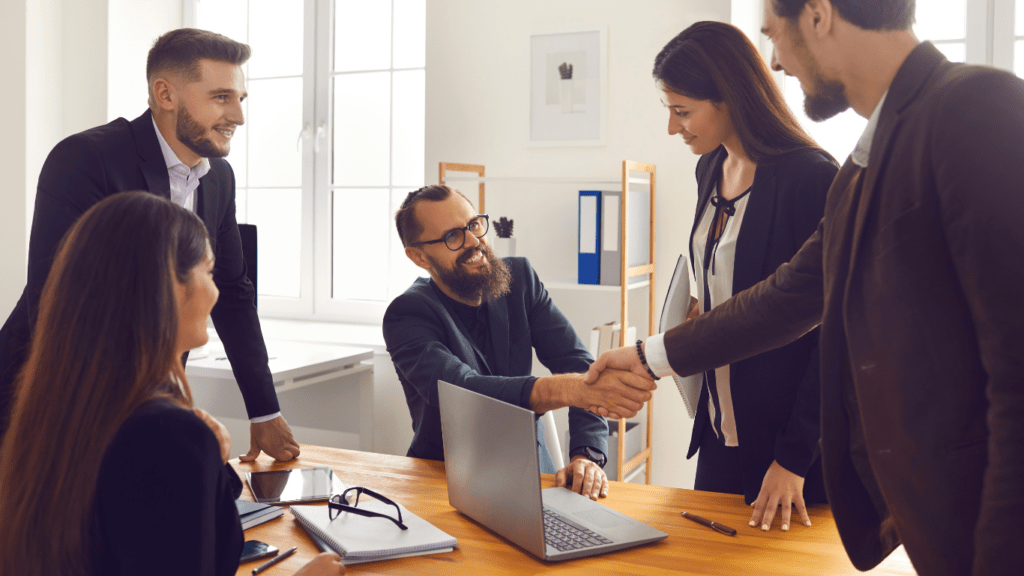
[[565, 535]]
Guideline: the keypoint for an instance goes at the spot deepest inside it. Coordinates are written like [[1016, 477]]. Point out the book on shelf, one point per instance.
[[253, 513], [363, 539], [608, 337]]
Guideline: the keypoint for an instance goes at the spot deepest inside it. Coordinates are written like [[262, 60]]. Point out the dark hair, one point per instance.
[[409, 228], [715, 61], [866, 14], [179, 52], [104, 343]]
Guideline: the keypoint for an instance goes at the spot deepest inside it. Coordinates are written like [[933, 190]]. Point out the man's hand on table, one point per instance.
[[273, 437], [583, 476]]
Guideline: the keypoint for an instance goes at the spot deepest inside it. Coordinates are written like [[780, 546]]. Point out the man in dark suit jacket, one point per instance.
[[175, 150], [914, 276], [476, 322]]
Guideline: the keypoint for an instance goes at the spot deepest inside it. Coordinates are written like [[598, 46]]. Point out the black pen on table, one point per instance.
[[274, 560], [713, 525]]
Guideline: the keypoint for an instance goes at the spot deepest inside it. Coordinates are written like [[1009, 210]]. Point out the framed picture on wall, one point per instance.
[[568, 88]]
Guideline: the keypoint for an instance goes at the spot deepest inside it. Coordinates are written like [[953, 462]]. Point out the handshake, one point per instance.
[[616, 386]]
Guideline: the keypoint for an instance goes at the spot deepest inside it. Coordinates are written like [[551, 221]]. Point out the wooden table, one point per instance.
[[689, 549]]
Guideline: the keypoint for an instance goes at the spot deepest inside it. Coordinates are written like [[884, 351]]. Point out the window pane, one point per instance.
[[954, 52], [408, 129], [941, 19], [362, 129], [241, 208], [1018, 58], [837, 135], [277, 214], [403, 271], [360, 231], [410, 33], [275, 121], [239, 155], [227, 17], [276, 38], [362, 35]]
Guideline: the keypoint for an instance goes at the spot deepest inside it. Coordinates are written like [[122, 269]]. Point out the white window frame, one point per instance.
[[315, 300]]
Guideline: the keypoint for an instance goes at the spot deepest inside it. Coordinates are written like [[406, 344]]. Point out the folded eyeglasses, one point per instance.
[[338, 503]]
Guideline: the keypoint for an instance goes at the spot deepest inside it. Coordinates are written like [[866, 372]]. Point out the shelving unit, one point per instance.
[[628, 468]]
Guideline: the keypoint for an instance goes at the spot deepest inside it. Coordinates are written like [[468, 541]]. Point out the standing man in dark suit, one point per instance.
[[476, 323], [915, 277], [175, 150]]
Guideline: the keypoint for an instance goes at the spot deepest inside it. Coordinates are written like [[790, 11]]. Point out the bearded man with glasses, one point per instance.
[[476, 322]]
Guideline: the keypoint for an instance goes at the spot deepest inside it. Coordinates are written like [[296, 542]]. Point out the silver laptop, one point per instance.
[[490, 452]]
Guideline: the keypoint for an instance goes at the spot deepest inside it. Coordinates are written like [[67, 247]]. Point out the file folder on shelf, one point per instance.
[[611, 233], [589, 263]]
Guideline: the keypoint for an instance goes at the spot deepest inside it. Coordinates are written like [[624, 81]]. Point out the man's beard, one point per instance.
[[489, 284], [192, 134], [829, 98]]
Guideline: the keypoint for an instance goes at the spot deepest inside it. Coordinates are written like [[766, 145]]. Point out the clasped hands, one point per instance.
[[622, 365]]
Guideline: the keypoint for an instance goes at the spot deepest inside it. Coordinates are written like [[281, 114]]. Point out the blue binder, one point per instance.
[[589, 264]]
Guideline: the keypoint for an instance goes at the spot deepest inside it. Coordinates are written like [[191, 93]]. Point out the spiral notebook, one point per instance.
[[361, 538]]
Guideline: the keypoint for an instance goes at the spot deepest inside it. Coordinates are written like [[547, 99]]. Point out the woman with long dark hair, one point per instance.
[[761, 183], [106, 468]]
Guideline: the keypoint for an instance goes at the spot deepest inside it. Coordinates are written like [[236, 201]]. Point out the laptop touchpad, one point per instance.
[[602, 518]]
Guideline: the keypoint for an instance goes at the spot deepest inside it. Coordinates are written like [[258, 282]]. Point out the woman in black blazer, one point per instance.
[[107, 469], [762, 183]]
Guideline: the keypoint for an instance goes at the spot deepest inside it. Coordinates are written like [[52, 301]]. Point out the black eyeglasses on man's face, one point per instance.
[[456, 239], [338, 504]]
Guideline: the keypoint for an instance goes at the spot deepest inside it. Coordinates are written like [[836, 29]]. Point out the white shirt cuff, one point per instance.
[[266, 418], [657, 356]]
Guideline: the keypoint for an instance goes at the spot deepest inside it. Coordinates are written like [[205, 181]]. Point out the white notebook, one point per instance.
[[677, 304], [360, 538]]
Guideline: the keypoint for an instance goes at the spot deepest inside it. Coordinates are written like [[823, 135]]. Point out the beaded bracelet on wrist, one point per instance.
[[643, 359]]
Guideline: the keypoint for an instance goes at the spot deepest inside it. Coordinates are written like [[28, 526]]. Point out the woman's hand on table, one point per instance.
[[325, 564], [779, 488]]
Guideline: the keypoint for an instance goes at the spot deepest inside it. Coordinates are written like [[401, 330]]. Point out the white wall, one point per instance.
[[67, 65], [13, 32], [478, 112], [133, 26]]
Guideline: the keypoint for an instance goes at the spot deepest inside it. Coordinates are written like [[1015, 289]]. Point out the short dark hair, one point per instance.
[[866, 14], [179, 51], [409, 228], [716, 62]]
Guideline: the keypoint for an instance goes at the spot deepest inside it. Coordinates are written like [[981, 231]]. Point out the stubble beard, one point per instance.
[[829, 96], [488, 285], [193, 135]]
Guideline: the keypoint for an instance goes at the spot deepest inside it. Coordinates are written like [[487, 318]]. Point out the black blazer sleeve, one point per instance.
[[560, 350], [234, 315], [804, 195], [165, 501], [71, 181], [417, 330]]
